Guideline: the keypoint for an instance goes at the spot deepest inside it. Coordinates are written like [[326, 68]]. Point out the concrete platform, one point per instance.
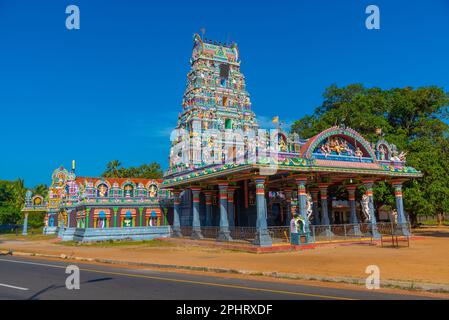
[[95, 234]]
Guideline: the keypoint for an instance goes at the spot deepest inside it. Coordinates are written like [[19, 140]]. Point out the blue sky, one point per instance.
[[113, 89]]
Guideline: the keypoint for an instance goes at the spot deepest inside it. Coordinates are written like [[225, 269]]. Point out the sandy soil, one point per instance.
[[426, 260]]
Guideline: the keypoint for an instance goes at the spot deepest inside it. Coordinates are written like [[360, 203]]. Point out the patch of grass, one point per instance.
[[433, 223], [34, 236], [119, 243]]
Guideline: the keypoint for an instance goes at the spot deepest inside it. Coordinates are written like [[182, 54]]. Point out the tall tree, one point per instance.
[[112, 169], [19, 191], [152, 170], [40, 189]]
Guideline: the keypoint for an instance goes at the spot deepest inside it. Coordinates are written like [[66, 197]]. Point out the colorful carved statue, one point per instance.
[[365, 207], [358, 153], [102, 191], [153, 191], [309, 205], [382, 153], [127, 222]]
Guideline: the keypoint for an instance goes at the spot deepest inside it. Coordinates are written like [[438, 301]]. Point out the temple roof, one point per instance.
[[120, 181]]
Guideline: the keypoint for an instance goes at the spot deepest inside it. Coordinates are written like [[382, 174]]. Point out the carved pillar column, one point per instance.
[[302, 204], [231, 206], [263, 238], [355, 230], [369, 193], [288, 199], [402, 226], [316, 215], [208, 196], [224, 234], [176, 210], [323, 197], [351, 197], [196, 223], [324, 210]]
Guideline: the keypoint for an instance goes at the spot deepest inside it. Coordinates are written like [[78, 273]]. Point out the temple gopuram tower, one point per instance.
[[215, 99]]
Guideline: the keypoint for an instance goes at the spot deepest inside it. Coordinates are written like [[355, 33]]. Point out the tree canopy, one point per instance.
[[412, 118], [114, 169]]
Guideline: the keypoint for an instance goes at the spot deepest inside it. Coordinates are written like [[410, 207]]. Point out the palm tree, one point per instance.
[[41, 189], [112, 169], [19, 191]]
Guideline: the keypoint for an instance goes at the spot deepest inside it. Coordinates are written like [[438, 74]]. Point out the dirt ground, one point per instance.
[[426, 260]]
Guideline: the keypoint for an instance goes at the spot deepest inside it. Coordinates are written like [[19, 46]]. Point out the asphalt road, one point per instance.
[[27, 278]]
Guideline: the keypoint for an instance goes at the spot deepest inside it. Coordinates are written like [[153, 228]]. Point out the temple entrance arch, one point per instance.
[[342, 144]]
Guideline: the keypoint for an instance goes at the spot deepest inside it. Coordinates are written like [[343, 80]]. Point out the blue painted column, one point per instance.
[[323, 197], [316, 215], [208, 196], [353, 214], [324, 210], [176, 209], [196, 223], [224, 234], [25, 224], [262, 238], [369, 192], [402, 226], [231, 206], [288, 198], [302, 203]]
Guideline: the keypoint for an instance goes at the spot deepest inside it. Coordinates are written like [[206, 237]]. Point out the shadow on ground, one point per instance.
[[38, 294]]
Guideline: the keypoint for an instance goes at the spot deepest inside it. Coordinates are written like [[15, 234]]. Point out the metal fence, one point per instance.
[[10, 228], [319, 233]]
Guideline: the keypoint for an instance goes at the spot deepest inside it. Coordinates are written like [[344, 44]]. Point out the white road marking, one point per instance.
[[34, 263], [13, 287]]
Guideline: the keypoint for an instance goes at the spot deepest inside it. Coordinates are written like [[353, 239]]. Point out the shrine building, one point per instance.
[[230, 180]]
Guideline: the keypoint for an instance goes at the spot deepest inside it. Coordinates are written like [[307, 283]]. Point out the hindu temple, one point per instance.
[[228, 177]]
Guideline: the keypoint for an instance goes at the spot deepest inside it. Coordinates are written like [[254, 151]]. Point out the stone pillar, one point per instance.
[[224, 234], [231, 206], [262, 238], [316, 215], [208, 196], [369, 192], [302, 204], [353, 214], [351, 197], [196, 223], [288, 198], [176, 210], [25, 224], [324, 210], [402, 226], [323, 197]]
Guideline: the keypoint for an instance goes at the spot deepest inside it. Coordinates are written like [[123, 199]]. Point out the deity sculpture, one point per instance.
[[152, 191], [102, 191], [309, 205], [282, 144], [365, 207], [382, 152], [402, 156], [358, 153], [394, 215], [128, 190]]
